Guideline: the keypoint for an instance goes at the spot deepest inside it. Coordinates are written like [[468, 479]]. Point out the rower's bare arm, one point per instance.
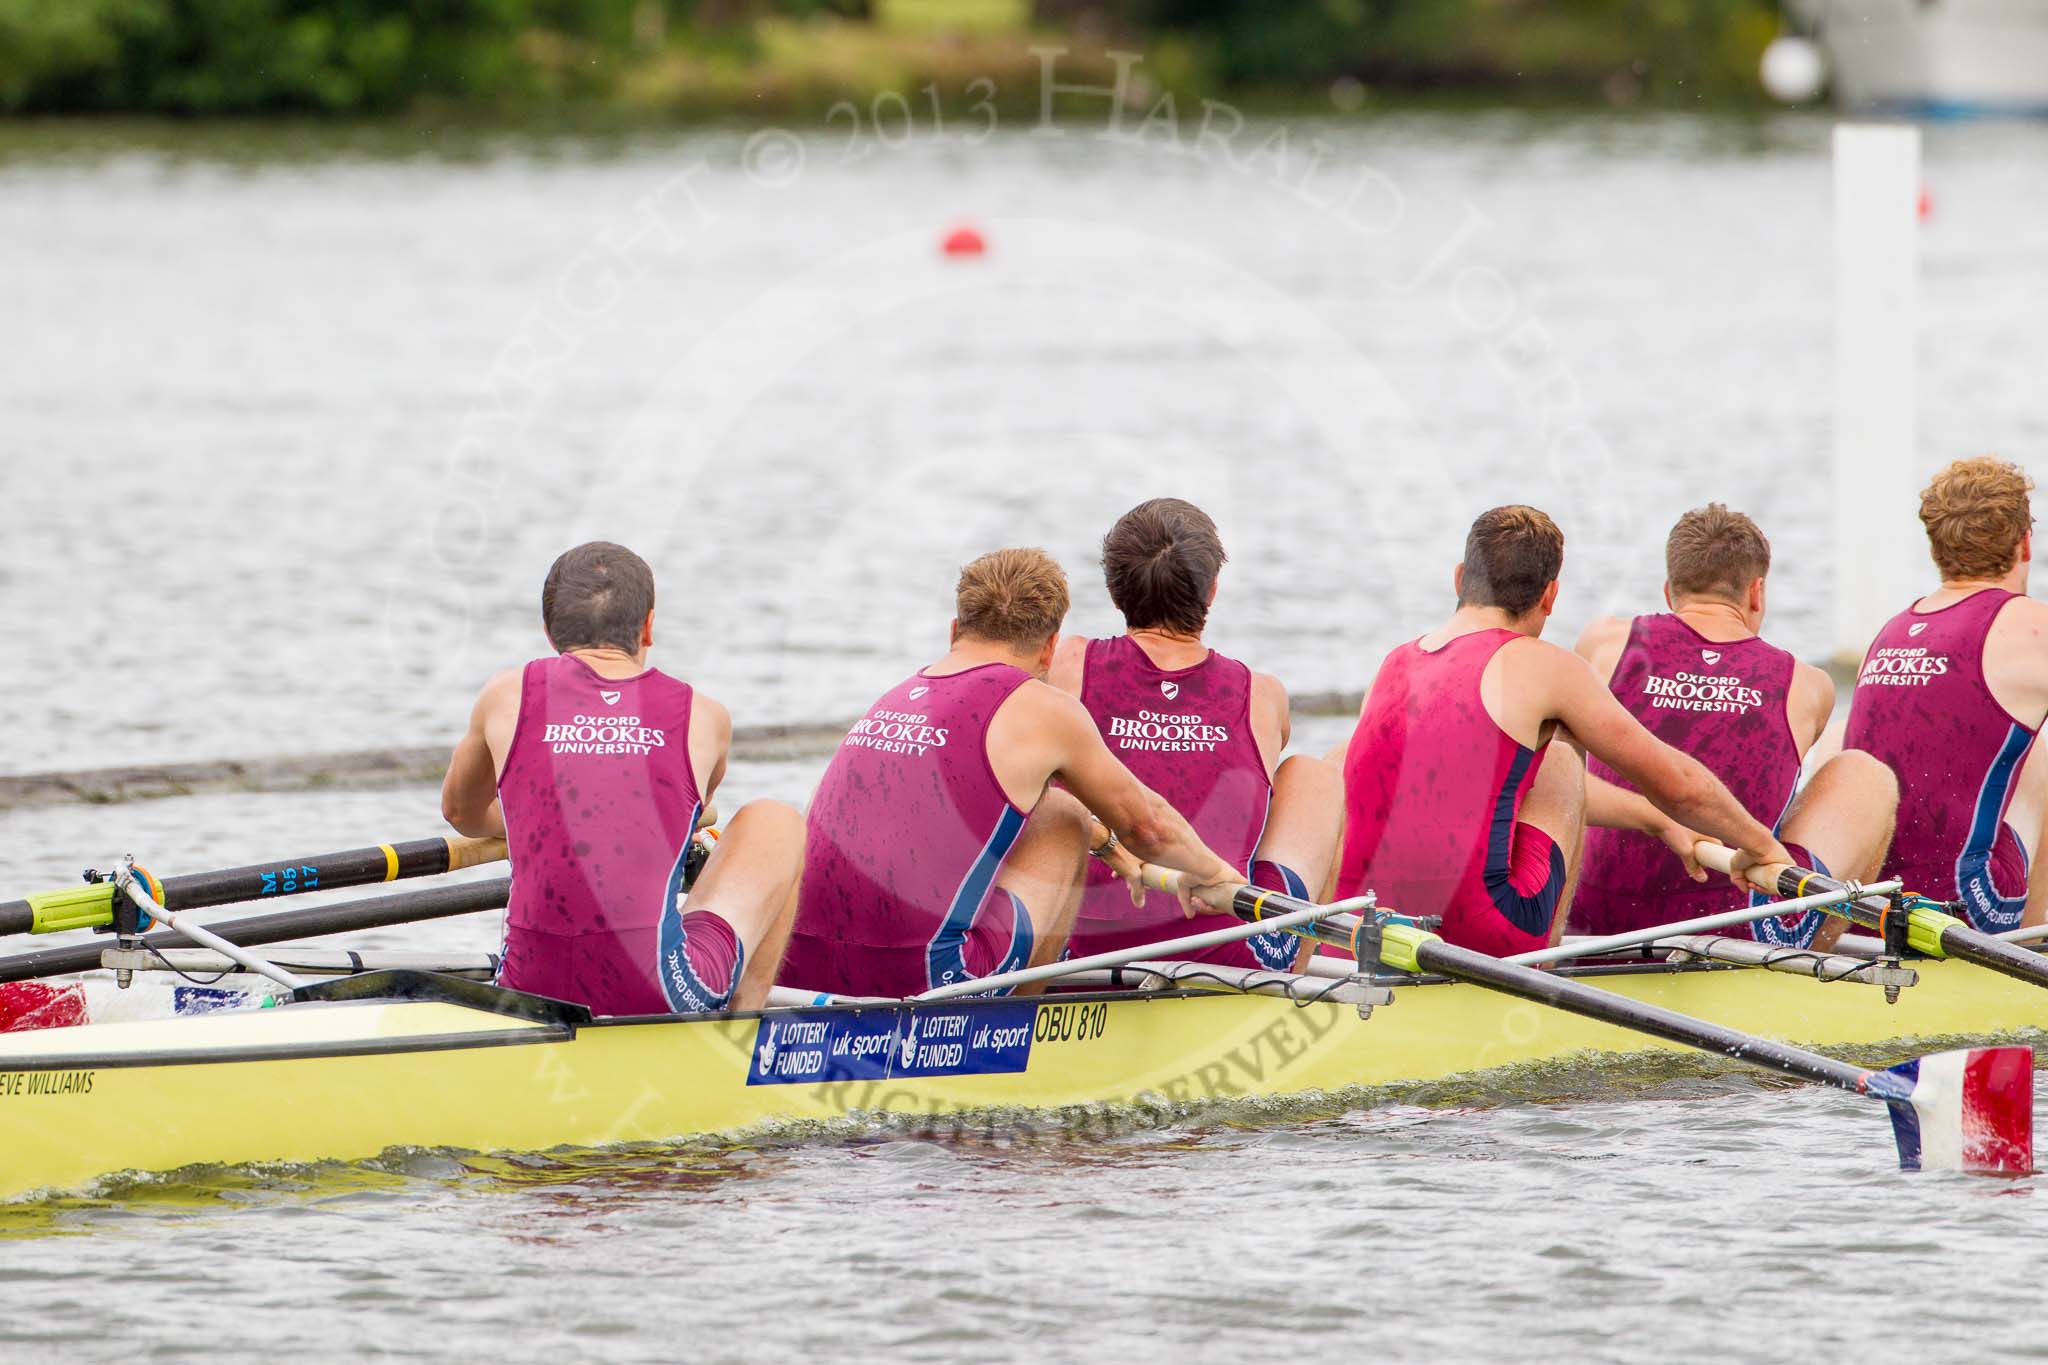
[[1676, 783], [469, 792], [1069, 749], [1272, 726], [710, 743], [1601, 643], [1810, 706], [2016, 658], [1612, 807]]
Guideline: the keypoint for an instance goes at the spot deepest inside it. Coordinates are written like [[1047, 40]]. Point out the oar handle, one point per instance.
[[1120, 860], [1220, 896], [466, 852], [1721, 858]]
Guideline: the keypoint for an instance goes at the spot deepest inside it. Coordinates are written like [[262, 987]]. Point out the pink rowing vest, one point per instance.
[[600, 801], [1432, 786], [906, 831], [1186, 734], [1723, 703], [1922, 706]]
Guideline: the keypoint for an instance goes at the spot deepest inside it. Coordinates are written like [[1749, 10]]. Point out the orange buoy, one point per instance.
[[1926, 203], [964, 240]]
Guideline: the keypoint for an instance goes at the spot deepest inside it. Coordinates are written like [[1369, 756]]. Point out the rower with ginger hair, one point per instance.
[[1952, 696]]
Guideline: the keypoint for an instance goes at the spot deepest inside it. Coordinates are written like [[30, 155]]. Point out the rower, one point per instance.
[[1952, 694], [1203, 731], [938, 851], [1465, 793], [595, 769], [1700, 678]]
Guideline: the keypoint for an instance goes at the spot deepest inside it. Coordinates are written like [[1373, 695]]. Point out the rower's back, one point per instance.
[[1924, 707], [1184, 719], [906, 833], [600, 799], [1726, 703], [1432, 787], [1718, 692], [1187, 734], [905, 885], [1952, 695]]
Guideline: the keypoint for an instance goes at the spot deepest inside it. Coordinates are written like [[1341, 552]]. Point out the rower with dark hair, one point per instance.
[[1465, 792], [1199, 728], [939, 850], [596, 769], [1702, 679]]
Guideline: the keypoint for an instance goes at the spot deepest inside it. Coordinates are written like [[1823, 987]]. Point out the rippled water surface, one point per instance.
[[1652, 1210], [1700, 1221], [291, 424], [346, 396]]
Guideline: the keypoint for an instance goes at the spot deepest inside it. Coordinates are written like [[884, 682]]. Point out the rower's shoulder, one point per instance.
[[1603, 633], [709, 715], [1268, 690], [1533, 652], [2024, 614], [502, 687], [1813, 684], [1069, 664]]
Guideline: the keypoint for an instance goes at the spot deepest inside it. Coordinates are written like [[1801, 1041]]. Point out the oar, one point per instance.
[[91, 905], [376, 912], [1704, 924], [1968, 1110], [1927, 931]]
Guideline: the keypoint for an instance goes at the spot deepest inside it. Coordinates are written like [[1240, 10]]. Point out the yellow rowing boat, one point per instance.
[[412, 1059]]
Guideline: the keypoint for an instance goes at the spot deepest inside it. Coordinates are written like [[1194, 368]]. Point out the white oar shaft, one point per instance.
[[205, 937], [1594, 947], [1145, 952]]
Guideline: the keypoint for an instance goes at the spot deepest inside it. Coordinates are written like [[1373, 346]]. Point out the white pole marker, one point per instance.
[[1880, 548]]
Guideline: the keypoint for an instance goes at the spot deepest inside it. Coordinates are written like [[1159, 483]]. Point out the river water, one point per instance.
[[292, 422]]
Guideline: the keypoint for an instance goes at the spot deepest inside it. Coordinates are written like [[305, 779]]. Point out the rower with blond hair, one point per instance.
[[1952, 695], [939, 851], [1701, 678]]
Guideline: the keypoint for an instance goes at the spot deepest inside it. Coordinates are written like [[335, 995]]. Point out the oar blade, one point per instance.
[[1969, 1110]]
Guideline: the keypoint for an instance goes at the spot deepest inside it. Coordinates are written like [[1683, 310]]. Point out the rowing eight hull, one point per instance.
[[347, 1080]]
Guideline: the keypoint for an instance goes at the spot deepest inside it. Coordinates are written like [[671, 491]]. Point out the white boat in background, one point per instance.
[[1933, 56]]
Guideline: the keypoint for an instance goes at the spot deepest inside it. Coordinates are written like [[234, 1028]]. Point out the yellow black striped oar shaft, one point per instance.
[[373, 912], [91, 905]]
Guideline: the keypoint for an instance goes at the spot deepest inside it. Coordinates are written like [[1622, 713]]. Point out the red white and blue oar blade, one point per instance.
[[1969, 1110]]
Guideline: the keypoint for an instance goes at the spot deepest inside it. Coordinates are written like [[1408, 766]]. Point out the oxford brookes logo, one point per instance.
[[917, 692], [1916, 628], [610, 698], [1170, 689], [1711, 656]]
